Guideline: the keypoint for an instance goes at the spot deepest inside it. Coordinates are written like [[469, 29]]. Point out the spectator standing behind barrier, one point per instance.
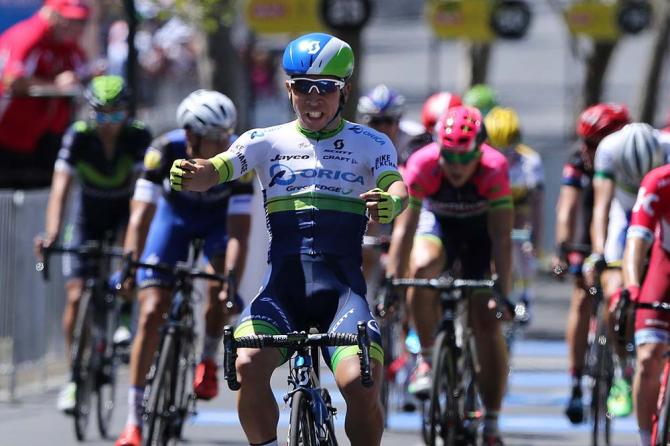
[[40, 52]]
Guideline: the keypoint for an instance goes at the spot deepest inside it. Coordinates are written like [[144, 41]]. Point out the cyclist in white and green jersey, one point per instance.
[[322, 176]]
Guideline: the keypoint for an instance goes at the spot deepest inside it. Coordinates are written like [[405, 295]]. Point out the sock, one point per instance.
[[491, 423], [135, 395], [210, 347], [645, 437], [269, 443]]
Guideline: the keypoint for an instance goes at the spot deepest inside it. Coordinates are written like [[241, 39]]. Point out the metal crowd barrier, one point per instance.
[[32, 350]]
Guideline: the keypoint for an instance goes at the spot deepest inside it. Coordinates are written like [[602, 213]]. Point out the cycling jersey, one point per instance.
[[411, 137], [457, 217], [525, 175], [106, 183], [578, 173], [651, 221], [624, 194], [487, 189], [311, 183], [182, 216]]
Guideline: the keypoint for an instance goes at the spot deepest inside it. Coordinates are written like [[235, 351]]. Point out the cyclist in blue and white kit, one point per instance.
[[168, 220], [320, 174]]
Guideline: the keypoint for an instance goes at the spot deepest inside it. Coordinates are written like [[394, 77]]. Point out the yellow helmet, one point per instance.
[[502, 127]]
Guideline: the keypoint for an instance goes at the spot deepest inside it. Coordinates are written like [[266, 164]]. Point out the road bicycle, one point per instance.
[[168, 397], [451, 415], [311, 421], [94, 357], [599, 361], [660, 433]]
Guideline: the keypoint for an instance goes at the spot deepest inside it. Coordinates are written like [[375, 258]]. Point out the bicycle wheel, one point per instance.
[[388, 343], [160, 402], [471, 407], [301, 427], [660, 435], [106, 375], [602, 366], [184, 397], [441, 420], [83, 352]]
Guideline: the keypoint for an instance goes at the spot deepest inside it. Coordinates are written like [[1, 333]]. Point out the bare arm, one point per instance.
[[500, 223], [401, 242], [60, 187], [633, 260], [566, 213], [603, 192], [239, 226], [141, 214]]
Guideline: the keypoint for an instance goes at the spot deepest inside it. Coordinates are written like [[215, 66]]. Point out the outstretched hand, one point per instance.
[[382, 206], [195, 175]]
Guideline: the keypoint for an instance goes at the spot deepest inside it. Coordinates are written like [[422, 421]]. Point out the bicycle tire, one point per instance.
[[386, 329], [661, 430], [330, 425], [184, 397], [82, 365], [471, 409], [161, 397], [106, 376], [602, 382], [443, 418], [301, 426]]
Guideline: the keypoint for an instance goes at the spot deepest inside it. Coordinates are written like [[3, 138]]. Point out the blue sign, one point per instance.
[[13, 11]]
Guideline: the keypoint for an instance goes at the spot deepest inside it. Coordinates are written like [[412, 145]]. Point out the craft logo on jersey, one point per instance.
[[285, 176]]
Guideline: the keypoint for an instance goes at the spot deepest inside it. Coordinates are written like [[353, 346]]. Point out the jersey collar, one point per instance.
[[322, 134]]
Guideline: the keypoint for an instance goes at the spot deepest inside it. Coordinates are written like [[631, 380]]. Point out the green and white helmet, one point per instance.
[[318, 53], [107, 91]]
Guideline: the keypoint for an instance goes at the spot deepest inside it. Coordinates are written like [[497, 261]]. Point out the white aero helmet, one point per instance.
[[204, 111], [640, 152]]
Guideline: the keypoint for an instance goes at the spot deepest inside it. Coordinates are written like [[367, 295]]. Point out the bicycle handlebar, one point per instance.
[[179, 270], [296, 339], [90, 250]]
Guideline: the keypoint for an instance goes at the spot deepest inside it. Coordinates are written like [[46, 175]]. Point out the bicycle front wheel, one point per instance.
[[301, 428], [661, 431], [441, 420], [160, 402], [83, 352], [106, 375], [601, 363]]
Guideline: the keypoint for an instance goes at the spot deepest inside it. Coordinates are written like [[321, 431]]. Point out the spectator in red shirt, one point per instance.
[[38, 56]]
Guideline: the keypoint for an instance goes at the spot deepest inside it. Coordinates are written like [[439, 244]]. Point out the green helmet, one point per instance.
[[107, 91], [481, 96]]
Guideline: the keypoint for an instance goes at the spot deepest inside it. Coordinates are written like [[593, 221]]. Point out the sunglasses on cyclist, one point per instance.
[[382, 120], [459, 158], [115, 117], [322, 87]]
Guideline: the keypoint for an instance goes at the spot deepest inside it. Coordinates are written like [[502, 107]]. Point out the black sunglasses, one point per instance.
[[323, 87]]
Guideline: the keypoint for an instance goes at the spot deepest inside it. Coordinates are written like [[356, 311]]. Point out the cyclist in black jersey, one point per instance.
[[103, 154], [576, 195]]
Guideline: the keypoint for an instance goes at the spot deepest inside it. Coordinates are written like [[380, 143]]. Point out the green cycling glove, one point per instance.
[[388, 207], [176, 173]]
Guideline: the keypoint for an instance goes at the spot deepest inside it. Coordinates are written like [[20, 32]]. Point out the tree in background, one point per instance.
[[650, 86]]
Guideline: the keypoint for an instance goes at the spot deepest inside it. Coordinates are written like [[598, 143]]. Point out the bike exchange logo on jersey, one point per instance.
[[283, 175]]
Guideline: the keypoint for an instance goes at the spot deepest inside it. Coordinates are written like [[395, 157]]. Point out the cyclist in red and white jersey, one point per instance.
[[649, 228], [460, 210], [573, 220]]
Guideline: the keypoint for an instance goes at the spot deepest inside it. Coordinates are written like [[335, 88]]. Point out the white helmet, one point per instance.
[[205, 110], [640, 152]]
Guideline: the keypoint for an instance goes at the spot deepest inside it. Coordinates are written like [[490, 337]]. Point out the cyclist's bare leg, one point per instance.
[[74, 289], [491, 352], [427, 261], [364, 422], [215, 310], [154, 304], [256, 405], [578, 326], [371, 254], [649, 365]]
